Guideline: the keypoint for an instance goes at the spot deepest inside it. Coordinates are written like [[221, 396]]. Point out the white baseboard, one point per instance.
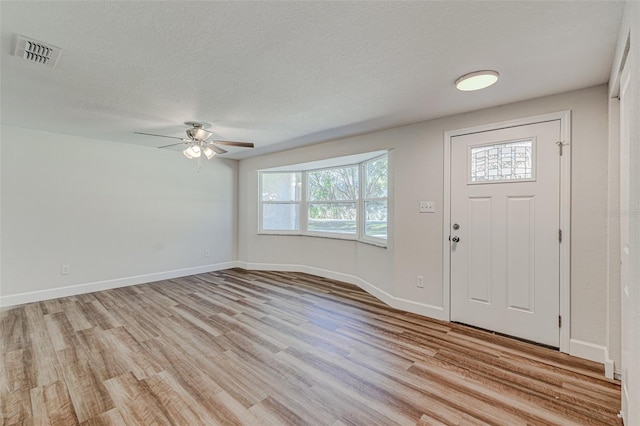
[[590, 351], [431, 311], [72, 290]]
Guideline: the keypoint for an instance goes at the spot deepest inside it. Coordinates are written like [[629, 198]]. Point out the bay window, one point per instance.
[[345, 201]]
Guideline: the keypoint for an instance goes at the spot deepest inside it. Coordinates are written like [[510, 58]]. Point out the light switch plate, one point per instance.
[[427, 207]]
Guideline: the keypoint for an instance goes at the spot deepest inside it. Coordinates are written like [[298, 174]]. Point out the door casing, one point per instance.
[[625, 212], [565, 211]]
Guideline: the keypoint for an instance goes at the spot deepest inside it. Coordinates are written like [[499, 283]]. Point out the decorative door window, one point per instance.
[[509, 161]]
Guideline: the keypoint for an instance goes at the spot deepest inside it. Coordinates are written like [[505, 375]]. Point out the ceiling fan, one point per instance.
[[198, 142]]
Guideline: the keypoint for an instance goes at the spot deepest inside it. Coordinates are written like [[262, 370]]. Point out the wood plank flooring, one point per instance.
[[265, 348]]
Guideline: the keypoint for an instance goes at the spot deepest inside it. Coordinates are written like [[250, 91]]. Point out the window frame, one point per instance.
[[328, 234], [262, 202], [362, 202], [304, 202]]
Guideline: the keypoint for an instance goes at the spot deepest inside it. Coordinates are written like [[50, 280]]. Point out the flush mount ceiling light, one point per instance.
[[477, 80]]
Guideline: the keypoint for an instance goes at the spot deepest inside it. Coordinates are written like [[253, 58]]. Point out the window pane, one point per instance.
[[332, 217], [280, 217], [504, 161], [375, 221], [281, 186], [376, 178], [333, 184]]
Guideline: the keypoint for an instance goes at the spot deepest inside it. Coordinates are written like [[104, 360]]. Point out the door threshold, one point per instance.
[[520, 339]]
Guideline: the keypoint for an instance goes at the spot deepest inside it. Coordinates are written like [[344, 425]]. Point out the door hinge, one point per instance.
[[560, 235], [560, 145], [559, 321]]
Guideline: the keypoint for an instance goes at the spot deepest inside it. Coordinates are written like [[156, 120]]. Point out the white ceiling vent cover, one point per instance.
[[37, 51]]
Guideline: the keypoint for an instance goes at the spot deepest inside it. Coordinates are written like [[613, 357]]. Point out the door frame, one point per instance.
[[624, 129], [565, 211]]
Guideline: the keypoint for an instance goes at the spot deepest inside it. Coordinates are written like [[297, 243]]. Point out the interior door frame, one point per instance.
[[565, 211]]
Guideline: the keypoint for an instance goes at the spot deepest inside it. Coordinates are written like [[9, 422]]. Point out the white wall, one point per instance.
[[117, 214], [415, 247]]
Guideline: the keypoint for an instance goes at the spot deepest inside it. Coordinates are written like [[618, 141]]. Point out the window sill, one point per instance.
[[329, 237]]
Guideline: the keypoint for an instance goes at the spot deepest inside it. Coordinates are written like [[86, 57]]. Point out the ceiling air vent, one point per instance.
[[37, 51]]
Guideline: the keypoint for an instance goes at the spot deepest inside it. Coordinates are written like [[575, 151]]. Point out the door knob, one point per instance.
[[455, 239]]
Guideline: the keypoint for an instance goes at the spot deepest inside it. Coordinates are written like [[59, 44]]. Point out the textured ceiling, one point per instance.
[[284, 74]]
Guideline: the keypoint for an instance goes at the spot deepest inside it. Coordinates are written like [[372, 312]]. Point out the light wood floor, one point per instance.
[[238, 347]]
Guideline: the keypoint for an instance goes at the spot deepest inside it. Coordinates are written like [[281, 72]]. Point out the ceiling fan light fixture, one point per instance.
[[208, 152], [192, 152], [197, 142], [477, 80]]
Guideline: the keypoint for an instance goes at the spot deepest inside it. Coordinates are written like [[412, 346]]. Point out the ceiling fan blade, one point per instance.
[[230, 143], [160, 136], [173, 144], [216, 149]]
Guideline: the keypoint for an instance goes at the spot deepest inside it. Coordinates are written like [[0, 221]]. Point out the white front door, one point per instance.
[[505, 248]]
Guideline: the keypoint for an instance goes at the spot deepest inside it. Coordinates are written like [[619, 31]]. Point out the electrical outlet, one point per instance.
[[420, 281], [207, 253], [65, 269]]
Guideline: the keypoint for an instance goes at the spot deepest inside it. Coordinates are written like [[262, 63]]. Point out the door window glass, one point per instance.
[[509, 161]]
